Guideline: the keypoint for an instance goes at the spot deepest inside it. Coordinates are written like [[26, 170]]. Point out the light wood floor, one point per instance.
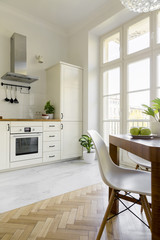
[[72, 216]]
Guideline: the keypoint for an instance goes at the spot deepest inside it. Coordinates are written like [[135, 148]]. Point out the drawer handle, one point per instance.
[[51, 156], [52, 136], [51, 125], [52, 146]]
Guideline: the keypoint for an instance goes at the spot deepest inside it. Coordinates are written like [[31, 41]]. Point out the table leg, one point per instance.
[[155, 201], [113, 150]]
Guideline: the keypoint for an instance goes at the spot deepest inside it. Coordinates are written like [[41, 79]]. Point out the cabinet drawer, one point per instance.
[[51, 146], [51, 156], [51, 126], [51, 136]]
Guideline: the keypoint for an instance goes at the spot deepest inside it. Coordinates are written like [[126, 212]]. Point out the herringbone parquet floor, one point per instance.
[[72, 216]]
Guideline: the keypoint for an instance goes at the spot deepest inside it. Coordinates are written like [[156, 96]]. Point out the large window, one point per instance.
[[130, 73]]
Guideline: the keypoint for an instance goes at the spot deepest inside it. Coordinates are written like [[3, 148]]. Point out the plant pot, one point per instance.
[[89, 157], [50, 115], [155, 128]]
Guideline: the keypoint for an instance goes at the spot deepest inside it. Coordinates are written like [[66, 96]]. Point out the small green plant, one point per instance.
[[49, 108], [153, 111], [86, 142]]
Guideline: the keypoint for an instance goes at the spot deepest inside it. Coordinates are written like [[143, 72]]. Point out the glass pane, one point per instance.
[[111, 107], [139, 75], [135, 101], [137, 124], [110, 128], [111, 81], [158, 27], [111, 48], [158, 93], [26, 146], [139, 36]]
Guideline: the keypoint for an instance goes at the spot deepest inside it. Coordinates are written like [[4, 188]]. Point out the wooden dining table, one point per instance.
[[148, 149]]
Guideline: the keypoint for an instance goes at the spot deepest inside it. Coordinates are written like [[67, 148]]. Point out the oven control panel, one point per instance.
[[27, 129], [16, 130]]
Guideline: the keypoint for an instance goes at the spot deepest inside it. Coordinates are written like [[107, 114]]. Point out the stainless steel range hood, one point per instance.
[[18, 61]]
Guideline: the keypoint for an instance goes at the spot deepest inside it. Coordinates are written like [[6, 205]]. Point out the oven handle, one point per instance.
[[27, 135]]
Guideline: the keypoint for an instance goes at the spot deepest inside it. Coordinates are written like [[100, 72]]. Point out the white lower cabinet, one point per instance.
[[60, 140], [51, 156], [4, 145], [70, 145], [51, 141]]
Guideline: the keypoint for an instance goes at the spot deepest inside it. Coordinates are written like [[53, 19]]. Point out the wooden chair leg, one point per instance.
[[147, 210], [111, 201], [141, 208], [137, 166]]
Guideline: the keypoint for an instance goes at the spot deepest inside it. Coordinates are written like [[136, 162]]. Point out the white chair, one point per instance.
[[120, 179], [140, 162]]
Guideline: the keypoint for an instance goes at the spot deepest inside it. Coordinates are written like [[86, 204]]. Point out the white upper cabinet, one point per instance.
[[64, 90], [71, 93]]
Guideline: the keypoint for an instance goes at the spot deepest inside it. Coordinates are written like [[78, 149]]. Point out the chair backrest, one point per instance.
[[107, 168], [140, 161]]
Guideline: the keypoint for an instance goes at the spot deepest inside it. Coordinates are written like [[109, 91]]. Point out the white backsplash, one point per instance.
[[30, 105]]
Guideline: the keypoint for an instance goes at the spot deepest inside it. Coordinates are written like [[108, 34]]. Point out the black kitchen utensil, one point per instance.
[[6, 99], [15, 92], [11, 100]]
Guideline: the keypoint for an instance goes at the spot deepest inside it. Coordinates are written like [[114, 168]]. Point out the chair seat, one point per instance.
[[140, 161], [128, 180]]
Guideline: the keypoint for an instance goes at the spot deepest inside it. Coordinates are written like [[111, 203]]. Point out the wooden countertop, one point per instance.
[[35, 120]]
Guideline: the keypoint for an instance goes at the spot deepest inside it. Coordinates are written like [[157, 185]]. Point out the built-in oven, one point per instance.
[[25, 143]]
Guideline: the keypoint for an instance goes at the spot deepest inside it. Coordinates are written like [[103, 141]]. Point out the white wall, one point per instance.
[[84, 51], [41, 40], [93, 82]]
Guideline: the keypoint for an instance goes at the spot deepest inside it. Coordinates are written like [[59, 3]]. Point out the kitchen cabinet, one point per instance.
[[4, 145], [70, 146], [51, 141], [64, 90]]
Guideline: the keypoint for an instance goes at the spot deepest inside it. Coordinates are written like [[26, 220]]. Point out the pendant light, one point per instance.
[[141, 6]]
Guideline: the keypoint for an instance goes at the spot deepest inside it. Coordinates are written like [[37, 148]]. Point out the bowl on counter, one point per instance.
[[45, 116]]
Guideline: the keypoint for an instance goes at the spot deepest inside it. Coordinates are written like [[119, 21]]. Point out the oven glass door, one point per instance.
[[26, 147]]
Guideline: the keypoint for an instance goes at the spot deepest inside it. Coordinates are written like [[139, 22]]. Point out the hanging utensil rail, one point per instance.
[[12, 85]]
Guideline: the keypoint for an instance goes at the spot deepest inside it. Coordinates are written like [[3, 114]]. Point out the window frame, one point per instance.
[[125, 31], [151, 52], [101, 49]]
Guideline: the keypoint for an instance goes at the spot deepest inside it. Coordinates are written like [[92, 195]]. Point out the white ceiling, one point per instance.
[[64, 13]]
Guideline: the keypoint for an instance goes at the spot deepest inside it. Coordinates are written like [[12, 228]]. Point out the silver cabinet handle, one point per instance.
[[52, 136], [52, 156], [51, 125], [8, 127], [24, 135], [61, 126], [52, 146], [61, 115]]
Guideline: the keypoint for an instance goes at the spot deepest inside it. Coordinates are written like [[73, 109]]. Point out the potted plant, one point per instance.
[[49, 108], [154, 112], [87, 143]]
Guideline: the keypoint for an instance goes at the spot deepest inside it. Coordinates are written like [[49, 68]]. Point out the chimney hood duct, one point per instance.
[[18, 61]]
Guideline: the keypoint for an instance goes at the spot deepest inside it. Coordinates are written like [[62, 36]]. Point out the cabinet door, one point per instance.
[[70, 145], [71, 93], [4, 145]]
